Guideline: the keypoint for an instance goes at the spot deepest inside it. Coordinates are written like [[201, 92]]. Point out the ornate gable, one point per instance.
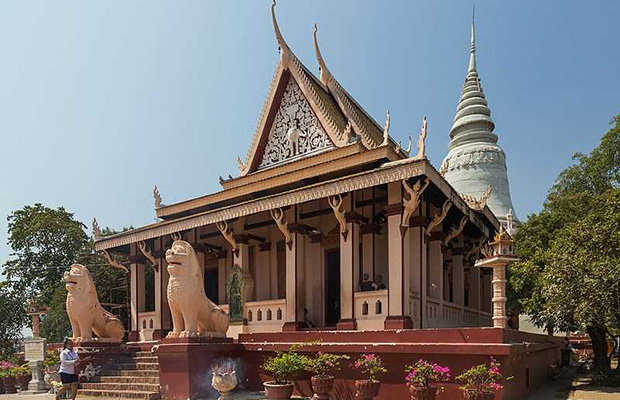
[[295, 132]]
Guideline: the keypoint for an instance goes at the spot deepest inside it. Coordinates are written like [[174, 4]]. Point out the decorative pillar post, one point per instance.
[[498, 255], [134, 334], [398, 287], [416, 263]]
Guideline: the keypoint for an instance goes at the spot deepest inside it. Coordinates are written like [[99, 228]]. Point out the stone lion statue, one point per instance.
[[85, 312], [193, 314]]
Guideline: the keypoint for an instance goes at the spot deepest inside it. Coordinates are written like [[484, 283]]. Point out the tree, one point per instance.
[[44, 241], [12, 319], [569, 274]]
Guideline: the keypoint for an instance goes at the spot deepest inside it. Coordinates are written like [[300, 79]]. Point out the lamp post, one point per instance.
[[498, 254]]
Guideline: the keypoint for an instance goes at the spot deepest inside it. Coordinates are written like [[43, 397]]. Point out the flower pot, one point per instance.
[[322, 386], [9, 384], [225, 383], [471, 394], [367, 389], [276, 391], [422, 392], [23, 381]]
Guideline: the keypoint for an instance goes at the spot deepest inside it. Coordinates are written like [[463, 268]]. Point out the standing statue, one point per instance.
[[235, 293], [193, 314], [85, 313]]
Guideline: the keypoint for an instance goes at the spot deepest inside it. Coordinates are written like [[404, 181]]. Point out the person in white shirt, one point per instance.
[[68, 377]]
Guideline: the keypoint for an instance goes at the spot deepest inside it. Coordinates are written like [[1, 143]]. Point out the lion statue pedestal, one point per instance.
[[85, 313]]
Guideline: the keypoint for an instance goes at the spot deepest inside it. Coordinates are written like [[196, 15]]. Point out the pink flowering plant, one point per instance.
[[370, 365], [482, 378], [7, 369], [423, 373]]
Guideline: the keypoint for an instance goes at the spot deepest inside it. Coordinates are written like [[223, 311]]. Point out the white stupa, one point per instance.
[[474, 159]]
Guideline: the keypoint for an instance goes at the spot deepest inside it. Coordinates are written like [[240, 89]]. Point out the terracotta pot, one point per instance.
[[9, 384], [474, 395], [322, 386], [367, 389], [423, 392], [276, 391], [23, 381]]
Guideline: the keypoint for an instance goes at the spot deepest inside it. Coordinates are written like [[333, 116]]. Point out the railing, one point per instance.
[[452, 314], [371, 309], [470, 317], [414, 307], [486, 319], [147, 322], [264, 315]]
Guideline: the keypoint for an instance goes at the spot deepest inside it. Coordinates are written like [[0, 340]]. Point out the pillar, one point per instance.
[[499, 296], [398, 279], [294, 277], [242, 258], [435, 288], [349, 265], [273, 266], [263, 272], [133, 288], [474, 288], [368, 250], [222, 277], [458, 283], [416, 264]]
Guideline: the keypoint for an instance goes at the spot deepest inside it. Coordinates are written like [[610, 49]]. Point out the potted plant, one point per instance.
[[420, 376], [7, 374], [284, 367], [321, 366], [481, 381], [369, 365], [24, 376]]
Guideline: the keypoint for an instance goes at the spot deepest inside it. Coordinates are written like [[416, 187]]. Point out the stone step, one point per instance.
[[133, 372], [125, 379], [142, 354], [133, 394], [122, 387], [151, 359], [132, 366]]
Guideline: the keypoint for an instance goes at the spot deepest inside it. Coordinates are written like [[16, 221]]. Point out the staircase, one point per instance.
[[133, 376]]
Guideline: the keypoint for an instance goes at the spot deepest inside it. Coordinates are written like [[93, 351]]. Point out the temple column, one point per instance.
[[499, 297], [273, 267], [263, 271], [398, 288], [435, 289], [222, 278], [416, 264], [349, 265], [368, 232], [134, 334], [474, 288], [458, 282], [294, 277]]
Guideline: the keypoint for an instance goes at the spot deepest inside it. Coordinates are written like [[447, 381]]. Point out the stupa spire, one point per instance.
[[475, 160]]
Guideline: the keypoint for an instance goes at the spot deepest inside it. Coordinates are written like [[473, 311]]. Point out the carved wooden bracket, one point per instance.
[[154, 263], [113, 262], [176, 236], [475, 250], [222, 226], [415, 196], [456, 230], [335, 202], [439, 217], [278, 215]]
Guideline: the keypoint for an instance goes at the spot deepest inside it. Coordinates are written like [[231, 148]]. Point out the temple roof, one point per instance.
[[344, 121]]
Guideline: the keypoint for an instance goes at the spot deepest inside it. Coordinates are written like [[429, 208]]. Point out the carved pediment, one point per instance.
[[295, 132]]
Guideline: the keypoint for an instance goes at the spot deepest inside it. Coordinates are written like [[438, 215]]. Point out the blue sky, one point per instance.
[[101, 100]]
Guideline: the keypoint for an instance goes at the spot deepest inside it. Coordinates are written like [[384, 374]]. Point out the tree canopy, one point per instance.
[[12, 319], [569, 274]]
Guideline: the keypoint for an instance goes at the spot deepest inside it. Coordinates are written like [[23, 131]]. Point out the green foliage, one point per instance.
[[55, 325], [322, 364], [482, 378], [52, 358], [43, 240], [12, 319], [286, 365], [370, 365], [569, 274]]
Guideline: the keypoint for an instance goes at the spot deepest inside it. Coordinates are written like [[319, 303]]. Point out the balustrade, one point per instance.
[[371, 309]]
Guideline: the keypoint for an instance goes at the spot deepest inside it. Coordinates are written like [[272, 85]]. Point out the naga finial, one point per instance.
[[284, 50], [96, 229], [422, 139], [240, 164], [386, 128], [408, 151], [157, 197]]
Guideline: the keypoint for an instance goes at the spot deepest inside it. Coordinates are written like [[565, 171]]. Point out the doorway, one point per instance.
[[211, 285], [332, 287]]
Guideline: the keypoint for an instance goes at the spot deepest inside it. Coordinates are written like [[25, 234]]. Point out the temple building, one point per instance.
[[475, 164], [334, 224]]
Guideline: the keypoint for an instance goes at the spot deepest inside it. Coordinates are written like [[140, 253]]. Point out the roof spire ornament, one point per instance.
[[96, 229], [325, 75], [472, 53], [156, 197], [422, 139], [285, 52], [386, 128]]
